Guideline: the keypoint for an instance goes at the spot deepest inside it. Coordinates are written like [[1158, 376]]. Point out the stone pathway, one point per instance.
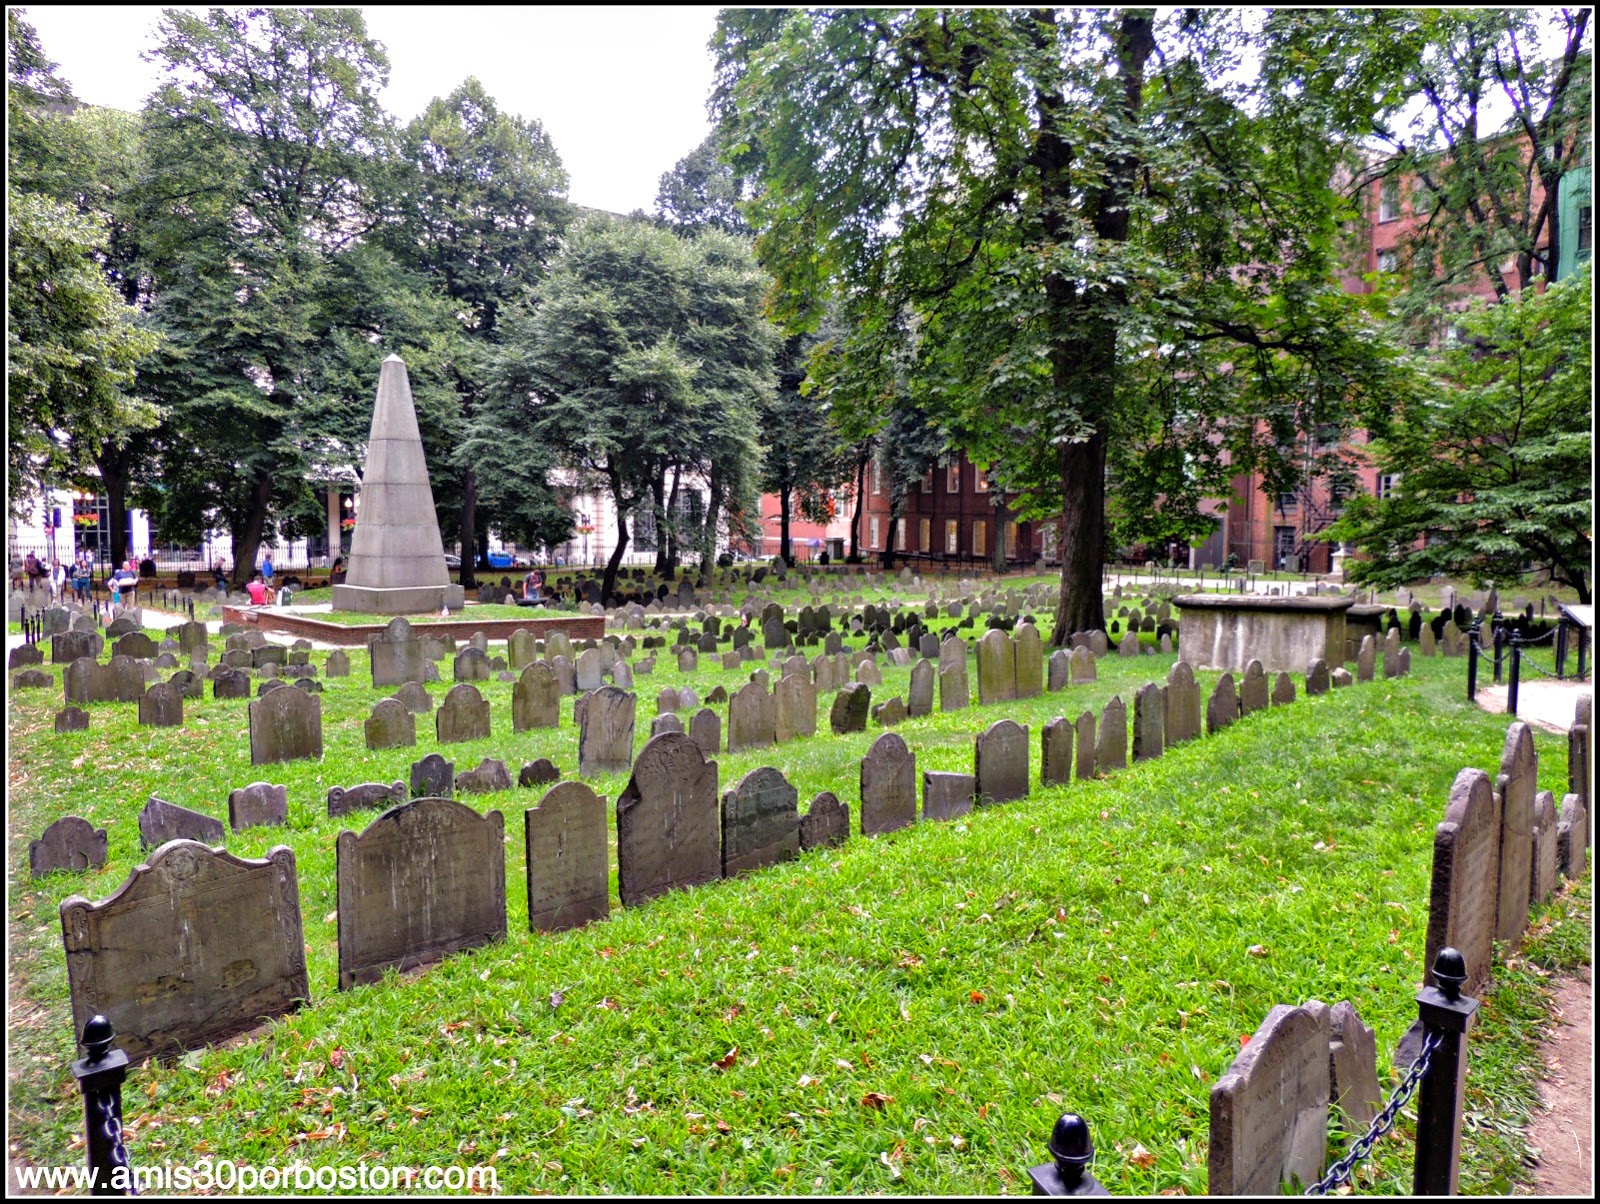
[[1563, 1132], [1546, 704]]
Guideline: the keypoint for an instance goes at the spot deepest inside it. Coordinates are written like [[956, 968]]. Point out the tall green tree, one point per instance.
[[641, 358], [805, 458], [1492, 459], [702, 192], [478, 208], [1041, 214]]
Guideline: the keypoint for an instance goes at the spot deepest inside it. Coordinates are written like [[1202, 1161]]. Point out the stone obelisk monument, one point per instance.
[[396, 556]]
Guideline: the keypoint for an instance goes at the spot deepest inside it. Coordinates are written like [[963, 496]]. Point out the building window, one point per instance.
[[900, 534], [980, 481], [925, 535], [952, 478], [644, 530], [1389, 484], [1287, 501], [927, 481], [1388, 261], [1421, 199], [952, 536], [1389, 200], [978, 540], [1585, 230], [877, 477], [1011, 541], [872, 532]]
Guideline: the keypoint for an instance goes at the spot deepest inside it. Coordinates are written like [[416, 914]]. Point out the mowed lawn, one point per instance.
[[905, 1014]]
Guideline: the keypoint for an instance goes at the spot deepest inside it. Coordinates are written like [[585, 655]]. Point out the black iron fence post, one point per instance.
[[1472, 665], [1583, 647], [100, 1077], [1444, 1010], [1516, 673], [1561, 649], [1499, 646], [1071, 1151]]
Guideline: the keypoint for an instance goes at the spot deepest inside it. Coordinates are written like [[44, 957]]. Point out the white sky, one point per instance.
[[622, 91]]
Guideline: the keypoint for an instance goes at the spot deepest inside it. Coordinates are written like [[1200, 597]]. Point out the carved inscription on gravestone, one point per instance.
[[605, 731], [423, 880], [1466, 872], [285, 725], [668, 821], [192, 948], [1269, 1112]]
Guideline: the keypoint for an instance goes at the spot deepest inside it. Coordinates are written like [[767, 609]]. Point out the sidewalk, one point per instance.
[[1546, 704]]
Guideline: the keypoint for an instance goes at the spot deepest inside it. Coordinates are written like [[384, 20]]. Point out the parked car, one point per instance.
[[452, 561], [505, 560]]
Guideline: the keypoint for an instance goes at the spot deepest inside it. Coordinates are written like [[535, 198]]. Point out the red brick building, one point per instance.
[[950, 518]]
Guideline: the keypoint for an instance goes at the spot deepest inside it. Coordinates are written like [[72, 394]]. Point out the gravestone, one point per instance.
[[432, 777], [1149, 705], [161, 706], [888, 786], [826, 823], [423, 880], [25, 656], [1269, 1111], [1352, 1068], [414, 697], [71, 843], [1544, 863], [1182, 696], [1028, 650], [795, 707], [997, 668], [490, 775], [285, 725], [365, 797], [397, 655], [462, 716], [1253, 689], [1426, 643], [70, 645], [919, 698], [260, 804], [1128, 645], [752, 718], [520, 651], [1083, 666], [71, 719], [188, 685], [850, 708], [471, 664], [1098, 645], [1084, 765], [947, 796], [666, 722], [31, 679], [535, 699], [1466, 873], [588, 670], [1572, 829], [868, 673], [135, 644], [1579, 766], [1391, 653], [1059, 670], [568, 867], [391, 725], [688, 661], [1283, 690], [1223, 707], [1317, 678], [605, 731], [1340, 678], [338, 664], [229, 683], [1000, 763], [705, 729], [1055, 752], [1366, 659], [236, 956], [121, 680], [161, 821], [540, 772], [1111, 750], [1517, 784], [760, 822], [954, 690], [668, 822]]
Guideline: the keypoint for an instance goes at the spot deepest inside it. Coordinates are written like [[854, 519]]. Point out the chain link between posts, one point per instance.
[[111, 1125], [1382, 1123]]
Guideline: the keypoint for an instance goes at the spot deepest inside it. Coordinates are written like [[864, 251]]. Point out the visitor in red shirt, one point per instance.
[[257, 591]]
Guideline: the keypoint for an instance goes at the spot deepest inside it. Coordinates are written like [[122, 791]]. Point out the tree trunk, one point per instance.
[[785, 496], [247, 535], [670, 542], [608, 585], [998, 554], [469, 528], [658, 489], [114, 482], [855, 517], [708, 532], [1081, 605]]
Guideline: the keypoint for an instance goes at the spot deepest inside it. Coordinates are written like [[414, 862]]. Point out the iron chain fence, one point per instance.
[[1382, 1123]]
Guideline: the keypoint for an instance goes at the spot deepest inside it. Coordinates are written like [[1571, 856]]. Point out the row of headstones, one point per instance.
[[72, 843], [1498, 852]]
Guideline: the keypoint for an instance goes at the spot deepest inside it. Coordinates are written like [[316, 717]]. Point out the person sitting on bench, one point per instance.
[[532, 589]]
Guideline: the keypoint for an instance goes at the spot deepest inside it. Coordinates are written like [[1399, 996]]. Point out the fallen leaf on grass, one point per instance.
[[221, 1083], [876, 1099], [1141, 1157], [724, 1127], [557, 998], [726, 1061], [976, 997], [1257, 951]]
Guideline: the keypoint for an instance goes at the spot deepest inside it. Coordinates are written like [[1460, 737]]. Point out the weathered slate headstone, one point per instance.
[[1282, 690], [71, 719], [191, 637], [71, 843], [187, 684], [1111, 751], [1517, 784], [1149, 738], [997, 668], [236, 957], [491, 775], [850, 707], [1269, 1111], [1580, 767], [25, 656], [1466, 874], [794, 707], [161, 706], [1544, 864], [1028, 651], [1000, 763], [760, 822], [397, 655], [1084, 765], [285, 725], [120, 680], [1055, 752], [888, 786], [1366, 659], [31, 679], [947, 796], [136, 645], [471, 664], [541, 772], [260, 804], [367, 796], [535, 699], [826, 823], [1223, 707], [462, 716], [568, 866], [229, 683], [161, 821], [70, 645], [1084, 668], [705, 729], [423, 880], [955, 692], [752, 718], [666, 722], [1353, 1068], [1391, 653], [605, 731], [890, 712], [589, 670], [432, 777], [391, 725], [1426, 644], [868, 673], [1572, 829], [668, 822]]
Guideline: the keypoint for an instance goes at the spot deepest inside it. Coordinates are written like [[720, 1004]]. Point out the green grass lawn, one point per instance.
[[906, 1014]]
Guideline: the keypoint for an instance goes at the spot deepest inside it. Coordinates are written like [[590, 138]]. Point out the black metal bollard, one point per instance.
[[100, 1077], [1499, 646], [1447, 1012], [1561, 650], [1516, 673], [1583, 647], [1472, 666], [1071, 1151]]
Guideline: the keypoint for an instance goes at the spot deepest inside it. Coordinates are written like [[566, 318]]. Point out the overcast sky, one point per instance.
[[622, 91]]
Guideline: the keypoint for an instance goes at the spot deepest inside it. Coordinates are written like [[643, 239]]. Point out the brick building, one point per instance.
[[950, 518]]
